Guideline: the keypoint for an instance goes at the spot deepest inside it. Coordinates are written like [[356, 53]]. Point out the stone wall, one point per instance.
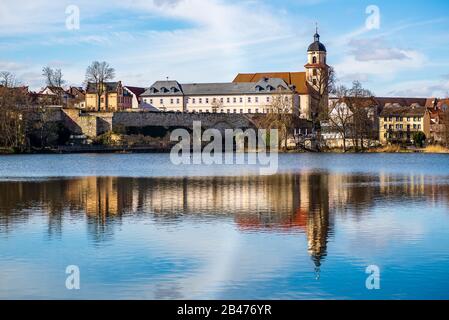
[[181, 120], [97, 123]]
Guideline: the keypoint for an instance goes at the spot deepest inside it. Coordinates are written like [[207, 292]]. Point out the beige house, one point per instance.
[[398, 123], [113, 98]]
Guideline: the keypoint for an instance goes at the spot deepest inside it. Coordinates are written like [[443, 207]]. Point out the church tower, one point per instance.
[[317, 72], [316, 62]]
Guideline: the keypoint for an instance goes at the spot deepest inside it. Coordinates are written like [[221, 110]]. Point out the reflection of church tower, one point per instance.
[[318, 219], [316, 73]]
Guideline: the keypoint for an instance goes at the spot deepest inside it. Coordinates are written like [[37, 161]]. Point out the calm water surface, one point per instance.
[[140, 228]]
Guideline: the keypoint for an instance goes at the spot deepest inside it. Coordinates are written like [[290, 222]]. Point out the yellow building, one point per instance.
[[113, 97], [397, 123]]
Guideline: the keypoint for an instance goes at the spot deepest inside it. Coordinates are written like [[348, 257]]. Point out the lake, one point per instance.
[[138, 227]]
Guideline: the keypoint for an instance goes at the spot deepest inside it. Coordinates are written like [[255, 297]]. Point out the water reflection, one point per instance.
[[304, 203]]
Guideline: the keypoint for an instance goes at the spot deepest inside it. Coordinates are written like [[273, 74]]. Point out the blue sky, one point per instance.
[[213, 40]]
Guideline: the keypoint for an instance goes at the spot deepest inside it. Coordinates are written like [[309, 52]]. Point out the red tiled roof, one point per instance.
[[136, 90]]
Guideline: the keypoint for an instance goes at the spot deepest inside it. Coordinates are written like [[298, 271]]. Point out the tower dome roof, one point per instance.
[[317, 45]]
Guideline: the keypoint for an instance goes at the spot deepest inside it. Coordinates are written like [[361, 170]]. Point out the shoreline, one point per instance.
[[152, 149]]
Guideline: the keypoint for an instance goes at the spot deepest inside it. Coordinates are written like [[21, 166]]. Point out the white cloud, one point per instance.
[[223, 38], [351, 68], [375, 49], [421, 88]]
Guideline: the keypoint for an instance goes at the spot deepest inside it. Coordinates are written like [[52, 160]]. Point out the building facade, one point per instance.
[[136, 93], [220, 97], [113, 97], [397, 123], [249, 92]]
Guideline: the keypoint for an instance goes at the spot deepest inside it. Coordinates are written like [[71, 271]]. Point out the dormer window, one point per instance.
[[269, 88], [259, 88]]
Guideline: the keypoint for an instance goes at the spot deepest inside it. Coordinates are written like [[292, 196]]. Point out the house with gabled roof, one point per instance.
[[113, 97]]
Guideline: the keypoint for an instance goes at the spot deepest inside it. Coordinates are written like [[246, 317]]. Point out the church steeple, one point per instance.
[[316, 37]]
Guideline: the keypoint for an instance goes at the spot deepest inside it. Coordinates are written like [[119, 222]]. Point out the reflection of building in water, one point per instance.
[[314, 200], [305, 202]]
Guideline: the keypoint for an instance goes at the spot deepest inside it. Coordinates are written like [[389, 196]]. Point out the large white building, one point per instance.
[[248, 93]]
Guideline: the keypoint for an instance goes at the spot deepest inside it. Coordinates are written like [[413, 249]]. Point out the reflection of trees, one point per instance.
[[304, 203]]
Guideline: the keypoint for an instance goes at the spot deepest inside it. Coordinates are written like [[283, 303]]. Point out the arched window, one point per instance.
[[315, 73], [314, 60]]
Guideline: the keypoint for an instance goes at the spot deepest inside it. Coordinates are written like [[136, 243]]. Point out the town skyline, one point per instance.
[[150, 41]]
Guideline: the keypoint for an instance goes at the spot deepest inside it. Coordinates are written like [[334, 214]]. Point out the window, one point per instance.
[[257, 99], [391, 119], [315, 72], [177, 101], [200, 100], [241, 110], [257, 110], [171, 101], [200, 111], [162, 101], [414, 126], [385, 126], [228, 100], [314, 60], [229, 110], [235, 110], [249, 99], [419, 127], [386, 119], [419, 118], [221, 100], [193, 101], [207, 100], [241, 100], [314, 82], [249, 110], [397, 118], [235, 100], [151, 101], [268, 99], [408, 119]]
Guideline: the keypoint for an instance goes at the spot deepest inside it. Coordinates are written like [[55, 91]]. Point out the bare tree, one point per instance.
[[361, 102], [280, 115], [326, 85], [98, 73], [217, 105], [444, 121], [13, 103], [53, 77], [339, 115], [7, 79]]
